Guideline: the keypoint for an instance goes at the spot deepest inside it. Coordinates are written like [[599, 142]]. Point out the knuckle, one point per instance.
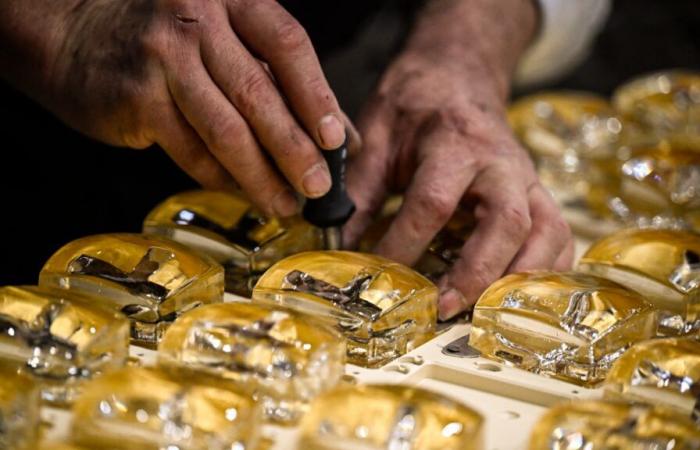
[[223, 132], [517, 220], [436, 204], [561, 228], [253, 86], [481, 275], [154, 42], [296, 149], [290, 35]]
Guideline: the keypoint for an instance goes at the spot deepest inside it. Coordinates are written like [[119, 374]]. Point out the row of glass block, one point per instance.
[[636, 159], [147, 409], [628, 318], [186, 410]]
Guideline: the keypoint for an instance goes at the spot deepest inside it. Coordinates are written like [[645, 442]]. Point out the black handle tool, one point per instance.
[[331, 211]]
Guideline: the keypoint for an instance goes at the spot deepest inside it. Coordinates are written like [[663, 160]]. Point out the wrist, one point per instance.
[[32, 32], [480, 37]]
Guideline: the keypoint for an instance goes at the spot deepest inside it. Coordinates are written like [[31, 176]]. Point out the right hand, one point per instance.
[[231, 89]]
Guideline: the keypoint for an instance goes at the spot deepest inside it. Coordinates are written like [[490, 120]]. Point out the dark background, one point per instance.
[[57, 186]]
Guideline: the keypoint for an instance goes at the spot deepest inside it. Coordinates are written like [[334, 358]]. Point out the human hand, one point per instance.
[[231, 89], [439, 133]]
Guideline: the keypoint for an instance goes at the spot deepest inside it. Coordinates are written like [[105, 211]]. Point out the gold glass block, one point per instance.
[[566, 132], [383, 308], [662, 265], [19, 409], [443, 250], [147, 409], [283, 359], [226, 227], [656, 187], [378, 417], [60, 338], [58, 446], [601, 425], [150, 279], [659, 372], [667, 104], [564, 325]]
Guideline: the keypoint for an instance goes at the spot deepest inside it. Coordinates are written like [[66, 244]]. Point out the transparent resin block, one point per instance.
[[284, 360], [226, 227], [383, 308], [59, 338], [659, 372], [149, 409], [667, 104], [566, 132], [564, 325], [443, 250], [151, 280], [19, 409], [662, 265], [658, 187], [383, 417], [600, 425]]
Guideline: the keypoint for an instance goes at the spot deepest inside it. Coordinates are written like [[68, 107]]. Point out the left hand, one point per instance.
[[438, 133]]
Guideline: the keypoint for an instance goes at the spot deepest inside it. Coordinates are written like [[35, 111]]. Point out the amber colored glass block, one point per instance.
[[283, 359], [659, 372], [662, 265], [653, 187], [566, 132], [60, 338], [383, 308], [378, 417], [19, 409], [443, 250], [145, 409], [602, 425], [225, 226], [564, 325], [150, 279], [58, 446], [666, 104]]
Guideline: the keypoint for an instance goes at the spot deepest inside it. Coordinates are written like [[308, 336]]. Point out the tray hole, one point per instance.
[[575, 392], [488, 367], [510, 415]]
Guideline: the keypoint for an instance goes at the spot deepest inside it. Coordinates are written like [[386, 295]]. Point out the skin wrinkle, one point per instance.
[[119, 51]]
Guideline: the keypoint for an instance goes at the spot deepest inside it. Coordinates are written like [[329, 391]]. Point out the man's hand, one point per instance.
[[231, 89], [436, 129]]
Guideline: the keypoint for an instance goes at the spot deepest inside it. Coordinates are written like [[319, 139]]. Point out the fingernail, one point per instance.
[[316, 181], [284, 204], [331, 132], [451, 303]]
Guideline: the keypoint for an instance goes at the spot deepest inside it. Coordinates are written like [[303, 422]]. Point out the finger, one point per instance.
[[188, 151], [254, 94], [549, 235], [229, 139], [367, 172], [282, 42], [435, 190], [354, 139], [565, 260], [503, 225]]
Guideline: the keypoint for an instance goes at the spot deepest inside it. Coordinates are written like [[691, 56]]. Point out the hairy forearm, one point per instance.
[[481, 37]]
